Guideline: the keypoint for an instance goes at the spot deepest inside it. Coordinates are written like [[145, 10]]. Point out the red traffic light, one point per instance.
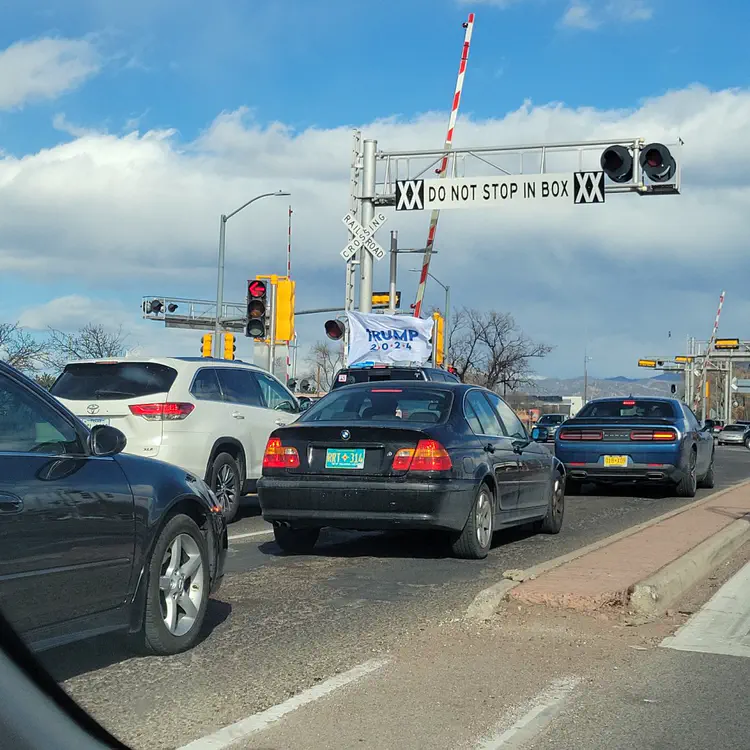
[[335, 329], [657, 162], [617, 163], [256, 289]]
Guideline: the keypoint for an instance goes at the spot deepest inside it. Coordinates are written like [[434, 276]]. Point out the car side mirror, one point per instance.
[[286, 406], [106, 441], [304, 403], [539, 434]]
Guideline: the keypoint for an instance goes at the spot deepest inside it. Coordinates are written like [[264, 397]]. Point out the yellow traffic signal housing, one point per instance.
[[230, 347], [284, 309], [439, 331], [682, 359], [207, 342], [727, 344], [646, 363]]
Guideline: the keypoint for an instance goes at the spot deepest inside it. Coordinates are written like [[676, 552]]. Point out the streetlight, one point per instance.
[[447, 311], [220, 273], [586, 360]]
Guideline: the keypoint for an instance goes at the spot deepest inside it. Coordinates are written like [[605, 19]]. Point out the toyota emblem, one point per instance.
[[345, 434], [92, 408]]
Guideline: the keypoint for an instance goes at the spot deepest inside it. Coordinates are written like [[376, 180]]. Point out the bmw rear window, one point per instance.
[[113, 380], [637, 408], [390, 403]]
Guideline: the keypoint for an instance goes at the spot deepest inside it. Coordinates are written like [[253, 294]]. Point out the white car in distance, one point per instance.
[[211, 417]]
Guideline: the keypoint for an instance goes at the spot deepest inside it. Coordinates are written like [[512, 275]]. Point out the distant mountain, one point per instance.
[[623, 379], [605, 387], [670, 377]]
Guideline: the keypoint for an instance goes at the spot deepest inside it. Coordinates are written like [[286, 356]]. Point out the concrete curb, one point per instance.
[[654, 595], [489, 599]]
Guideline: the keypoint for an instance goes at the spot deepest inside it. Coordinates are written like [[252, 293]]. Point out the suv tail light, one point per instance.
[[429, 455], [279, 456], [168, 411], [580, 435], [661, 436]]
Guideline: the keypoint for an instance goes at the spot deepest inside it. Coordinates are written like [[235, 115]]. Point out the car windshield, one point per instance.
[[113, 380], [551, 419], [403, 404], [638, 408]]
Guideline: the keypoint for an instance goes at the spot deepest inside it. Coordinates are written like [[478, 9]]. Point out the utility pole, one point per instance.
[[585, 376], [368, 212]]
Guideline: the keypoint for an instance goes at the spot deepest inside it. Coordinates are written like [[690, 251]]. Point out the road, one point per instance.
[[282, 624]]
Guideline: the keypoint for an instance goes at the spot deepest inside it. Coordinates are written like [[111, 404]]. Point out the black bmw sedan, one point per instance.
[[409, 455], [93, 540]]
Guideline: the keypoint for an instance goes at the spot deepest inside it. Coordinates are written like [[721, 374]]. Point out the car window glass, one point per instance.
[[206, 385], [691, 418], [239, 386], [439, 376], [104, 381], [273, 392], [472, 418], [487, 418], [513, 425], [28, 424]]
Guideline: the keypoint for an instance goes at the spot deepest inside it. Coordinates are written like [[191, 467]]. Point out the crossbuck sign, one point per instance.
[[363, 236], [475, 192]]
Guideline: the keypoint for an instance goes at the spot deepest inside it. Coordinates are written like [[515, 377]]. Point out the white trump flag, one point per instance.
[[388, 339]]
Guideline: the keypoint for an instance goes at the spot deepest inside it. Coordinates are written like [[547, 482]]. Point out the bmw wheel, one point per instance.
[[475, 540]]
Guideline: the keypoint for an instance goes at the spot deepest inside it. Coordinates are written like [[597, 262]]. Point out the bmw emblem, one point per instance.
[[345, 434], [92, 408]]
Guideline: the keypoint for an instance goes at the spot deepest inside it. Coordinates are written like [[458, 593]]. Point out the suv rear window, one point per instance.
[[374, 374], [382, 404], [638, 408], [111, 381]]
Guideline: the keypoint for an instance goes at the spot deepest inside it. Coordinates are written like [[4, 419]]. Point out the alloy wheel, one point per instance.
[[181, 584], [483, 518]]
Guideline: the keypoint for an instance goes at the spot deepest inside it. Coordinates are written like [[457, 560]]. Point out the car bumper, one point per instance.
[[370, 505], [730, 440], [632, 473]]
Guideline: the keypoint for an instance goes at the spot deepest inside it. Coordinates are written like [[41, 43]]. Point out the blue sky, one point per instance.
[[316, 69]]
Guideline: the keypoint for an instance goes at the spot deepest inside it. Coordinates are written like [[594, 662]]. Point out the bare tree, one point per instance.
[[45, 379], [489, 349], [20, 349], [93, 341], [324, 360]]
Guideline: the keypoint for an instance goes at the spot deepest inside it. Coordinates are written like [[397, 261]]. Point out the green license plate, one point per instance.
[[352, 458]]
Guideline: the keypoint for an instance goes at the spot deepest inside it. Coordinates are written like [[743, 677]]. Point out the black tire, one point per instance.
[[688, 485], [226, 482], [295, 541], [573, 487], [474, 542], [708, 479], [747, 444], [157, 636], [553, 521]]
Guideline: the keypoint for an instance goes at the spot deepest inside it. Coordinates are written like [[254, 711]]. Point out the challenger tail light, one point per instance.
[[429, 455], [166, 412], [659, 436], [581, 435], [278, 456]]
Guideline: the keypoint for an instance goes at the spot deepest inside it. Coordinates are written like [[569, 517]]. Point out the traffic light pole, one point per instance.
[[272, 343]]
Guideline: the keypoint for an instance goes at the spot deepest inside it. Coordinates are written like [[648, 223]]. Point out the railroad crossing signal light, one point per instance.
[[439, 331], [285, 310], [617, 163], [207, 343], [153, 307], [257, 302], [646, 363], [335, 329], [727, 344], [230, 347], [382, 299], [657, 162]]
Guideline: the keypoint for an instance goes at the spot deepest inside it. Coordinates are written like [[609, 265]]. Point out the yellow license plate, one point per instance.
[[615, 460]]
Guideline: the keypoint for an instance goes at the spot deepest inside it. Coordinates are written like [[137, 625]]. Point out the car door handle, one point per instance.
[[10, 504], [489, 448], [237, 415]]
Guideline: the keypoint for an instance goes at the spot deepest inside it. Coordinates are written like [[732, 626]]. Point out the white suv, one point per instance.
[[212, 417]]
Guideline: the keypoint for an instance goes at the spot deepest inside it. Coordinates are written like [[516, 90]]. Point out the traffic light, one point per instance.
[[727, 344], [257, 302], [617, 163], [153, 307], [646, 363], [657, 162], [382, 300], [284, 309], [230, 347], [335, 329], [439, 331], [207, 343]]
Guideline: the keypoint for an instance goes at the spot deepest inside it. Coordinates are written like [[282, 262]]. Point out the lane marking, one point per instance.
[[722, 625], [258, 722], [250, 534], [538, 713]]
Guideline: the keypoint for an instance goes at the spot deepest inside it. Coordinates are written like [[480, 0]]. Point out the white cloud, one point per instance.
[[578, 16], [139, 214], [630, 10], [44, 69], [71, 312]]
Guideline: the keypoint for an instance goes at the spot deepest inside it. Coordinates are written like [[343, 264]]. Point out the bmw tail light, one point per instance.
[[164, 412], [429, 455], [280, 456]]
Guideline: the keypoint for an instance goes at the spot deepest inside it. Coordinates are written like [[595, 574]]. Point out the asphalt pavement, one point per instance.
[[281, 625]]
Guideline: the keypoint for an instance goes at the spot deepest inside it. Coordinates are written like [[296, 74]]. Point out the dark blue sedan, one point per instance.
[[654, 440]]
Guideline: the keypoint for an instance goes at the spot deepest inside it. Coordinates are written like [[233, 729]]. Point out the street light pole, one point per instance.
[[220, 271], [586, 360]]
